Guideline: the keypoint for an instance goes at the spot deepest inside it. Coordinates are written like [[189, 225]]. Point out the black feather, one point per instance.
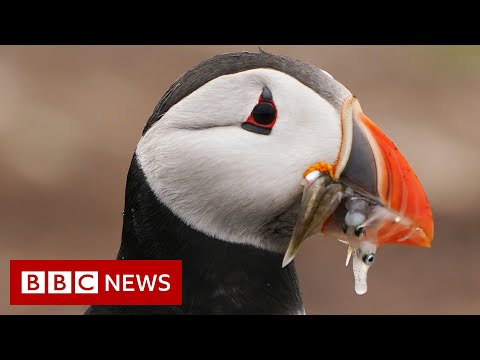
[[218, 277]]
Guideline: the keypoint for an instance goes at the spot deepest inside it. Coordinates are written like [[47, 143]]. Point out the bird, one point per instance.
[[216, 179]]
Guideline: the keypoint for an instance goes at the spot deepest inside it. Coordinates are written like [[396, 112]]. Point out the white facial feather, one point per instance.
[[228, 182]]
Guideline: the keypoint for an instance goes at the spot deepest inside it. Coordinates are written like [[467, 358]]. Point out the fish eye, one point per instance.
[[357, 230], [369, 258]]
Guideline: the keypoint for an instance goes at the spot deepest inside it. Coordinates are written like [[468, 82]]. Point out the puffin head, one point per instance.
[[227, 146]]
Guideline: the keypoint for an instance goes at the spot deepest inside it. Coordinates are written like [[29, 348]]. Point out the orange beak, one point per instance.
[[377, 169]]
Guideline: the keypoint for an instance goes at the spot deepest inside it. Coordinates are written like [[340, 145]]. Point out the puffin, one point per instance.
[[217, 177]]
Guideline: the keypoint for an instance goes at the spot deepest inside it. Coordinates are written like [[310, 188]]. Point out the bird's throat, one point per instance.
[[219, 277]]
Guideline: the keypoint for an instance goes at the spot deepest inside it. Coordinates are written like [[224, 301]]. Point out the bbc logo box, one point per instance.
[[60, 282], [95, 282]]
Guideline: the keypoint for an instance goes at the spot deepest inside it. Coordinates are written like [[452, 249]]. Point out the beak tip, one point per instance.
[[428, 243], [287, 259]]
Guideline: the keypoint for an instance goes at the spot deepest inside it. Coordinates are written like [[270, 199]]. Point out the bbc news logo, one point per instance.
[[86, 282], [95, 282]]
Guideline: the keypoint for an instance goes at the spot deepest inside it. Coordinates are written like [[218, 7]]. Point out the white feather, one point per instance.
[[225, 181]]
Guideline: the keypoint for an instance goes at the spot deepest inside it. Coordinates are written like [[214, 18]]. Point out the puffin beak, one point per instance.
[[394, 209], [378, 170]]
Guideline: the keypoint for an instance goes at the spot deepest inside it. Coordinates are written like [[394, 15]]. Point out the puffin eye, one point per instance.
[[263, 115], [368, 258]]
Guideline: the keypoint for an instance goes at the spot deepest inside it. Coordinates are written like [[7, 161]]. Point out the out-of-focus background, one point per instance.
[[71, 116]]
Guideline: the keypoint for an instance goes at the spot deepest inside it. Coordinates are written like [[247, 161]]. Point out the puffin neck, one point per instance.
[[219, 277]]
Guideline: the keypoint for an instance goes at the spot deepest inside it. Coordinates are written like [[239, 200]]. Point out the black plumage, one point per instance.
[[219, 277]]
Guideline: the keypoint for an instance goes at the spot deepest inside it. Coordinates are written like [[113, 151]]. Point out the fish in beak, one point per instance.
[[369, 197]]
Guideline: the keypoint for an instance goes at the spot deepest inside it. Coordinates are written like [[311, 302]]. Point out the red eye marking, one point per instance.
[[263, 116]]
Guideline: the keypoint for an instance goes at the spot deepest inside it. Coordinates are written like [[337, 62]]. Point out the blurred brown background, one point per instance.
[[71, 116]]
